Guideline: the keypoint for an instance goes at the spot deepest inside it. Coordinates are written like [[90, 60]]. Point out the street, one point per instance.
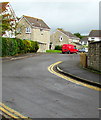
[[29, 88]]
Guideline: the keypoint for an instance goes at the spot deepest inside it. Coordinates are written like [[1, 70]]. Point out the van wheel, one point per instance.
[[63, 52], [69, 52]]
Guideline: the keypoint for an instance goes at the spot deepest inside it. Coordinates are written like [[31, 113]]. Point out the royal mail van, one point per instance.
[[69, 48]]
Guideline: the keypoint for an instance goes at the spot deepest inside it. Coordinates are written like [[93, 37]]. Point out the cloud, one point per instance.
[[71, 15]]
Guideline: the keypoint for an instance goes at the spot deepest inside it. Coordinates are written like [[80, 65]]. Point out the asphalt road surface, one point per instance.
[[29, 88]]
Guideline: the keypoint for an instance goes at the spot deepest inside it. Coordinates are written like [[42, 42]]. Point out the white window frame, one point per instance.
[[28, 30], [61, 38]]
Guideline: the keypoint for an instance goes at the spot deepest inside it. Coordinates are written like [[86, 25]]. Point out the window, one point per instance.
[[41, 29], [28, 30], [19, 30], [61, 38], [93, 38]]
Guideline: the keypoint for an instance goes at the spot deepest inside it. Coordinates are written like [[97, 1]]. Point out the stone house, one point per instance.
[[94, 35], [7, 11], [34, 29], [60, 37]]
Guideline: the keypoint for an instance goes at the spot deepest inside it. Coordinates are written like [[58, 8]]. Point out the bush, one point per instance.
[[0, 46], [21, 46], [36, 46], [58, 47], [27, 46], [12, 46], [9, 47]]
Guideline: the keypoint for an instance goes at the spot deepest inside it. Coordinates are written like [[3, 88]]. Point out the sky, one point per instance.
[[72, 15]]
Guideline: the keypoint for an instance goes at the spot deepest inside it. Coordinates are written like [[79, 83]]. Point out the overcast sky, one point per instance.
[[72, 15]]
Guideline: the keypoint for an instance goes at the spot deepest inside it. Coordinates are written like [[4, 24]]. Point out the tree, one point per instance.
[[78, 35], [7, 23], [61, 29]]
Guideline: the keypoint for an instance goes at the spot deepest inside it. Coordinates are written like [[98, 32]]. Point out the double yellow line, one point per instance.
[[10, 113], [50, 68]]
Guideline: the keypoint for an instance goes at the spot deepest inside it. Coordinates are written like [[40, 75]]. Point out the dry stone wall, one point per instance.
[[94, 55]]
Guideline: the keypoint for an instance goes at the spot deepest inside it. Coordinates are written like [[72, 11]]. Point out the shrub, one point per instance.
[[9, 46], [32, 46], [0, 46], [58, 47], [36, 46], [27, 46], [12, 46], [21, 46]]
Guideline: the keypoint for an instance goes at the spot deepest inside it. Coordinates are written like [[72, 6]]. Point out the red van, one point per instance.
[[68, 48]]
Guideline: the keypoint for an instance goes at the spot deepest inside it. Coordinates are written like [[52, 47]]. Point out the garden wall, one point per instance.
[[94, 55]]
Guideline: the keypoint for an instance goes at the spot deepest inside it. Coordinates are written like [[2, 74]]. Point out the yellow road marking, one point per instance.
[[10, 112], [50, 68]]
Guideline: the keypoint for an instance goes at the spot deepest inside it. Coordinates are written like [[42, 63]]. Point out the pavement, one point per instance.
[[19, 56], [73, 68]]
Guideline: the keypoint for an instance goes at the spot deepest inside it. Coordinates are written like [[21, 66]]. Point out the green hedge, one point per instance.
[[58, 47], [12, 46]]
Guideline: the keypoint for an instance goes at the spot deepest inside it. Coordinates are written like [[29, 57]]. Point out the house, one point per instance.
[[8, 13], [34, 29], [84, 41], [94, 35], [60, 37]]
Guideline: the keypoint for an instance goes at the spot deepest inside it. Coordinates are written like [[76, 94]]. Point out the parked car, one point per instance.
[[69, 48], [83, 50]]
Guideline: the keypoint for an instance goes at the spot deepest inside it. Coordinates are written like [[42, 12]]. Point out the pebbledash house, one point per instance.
[[34, 29]]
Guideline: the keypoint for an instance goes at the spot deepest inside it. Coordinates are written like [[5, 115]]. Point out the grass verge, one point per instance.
[[53, 51]]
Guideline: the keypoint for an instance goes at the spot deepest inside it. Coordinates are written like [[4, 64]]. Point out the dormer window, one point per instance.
[[61, 38], [28, 30]]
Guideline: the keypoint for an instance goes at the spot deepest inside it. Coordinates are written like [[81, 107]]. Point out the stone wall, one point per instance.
[[94, 55], [83, 60]]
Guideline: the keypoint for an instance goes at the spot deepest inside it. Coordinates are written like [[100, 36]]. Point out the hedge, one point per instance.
[[58, 47], [13, 46]]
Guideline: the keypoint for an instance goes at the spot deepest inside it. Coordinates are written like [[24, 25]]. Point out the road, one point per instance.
[[29, 88]]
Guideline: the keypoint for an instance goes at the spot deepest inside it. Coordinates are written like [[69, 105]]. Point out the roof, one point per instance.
[[76, 43], [95, 33], [3, 6], [85, 38], [68, 34], [35, 22]]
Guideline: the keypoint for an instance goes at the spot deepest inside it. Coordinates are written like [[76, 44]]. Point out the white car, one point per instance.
[[86, 49], [83, 50]]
